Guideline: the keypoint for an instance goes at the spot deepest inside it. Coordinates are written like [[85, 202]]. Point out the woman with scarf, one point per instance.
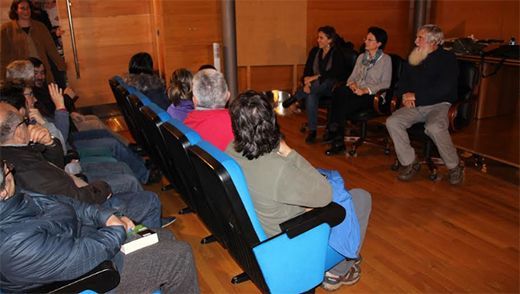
[[325, 67], [372, 72]]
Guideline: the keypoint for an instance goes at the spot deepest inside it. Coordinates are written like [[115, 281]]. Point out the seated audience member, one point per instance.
[[180, 94], [39, 162], [428, 86], [142, 76], [325, 67], [281, 182], [117, 174], [47, 238], [372, 72], [88, 138], [20, 74], [210, 119]]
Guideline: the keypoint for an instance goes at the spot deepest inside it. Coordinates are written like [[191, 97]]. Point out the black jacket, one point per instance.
[[38, 168], [433, 81], [338, 70]]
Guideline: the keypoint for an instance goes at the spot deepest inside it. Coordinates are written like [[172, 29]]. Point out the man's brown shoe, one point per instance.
[[408, 171], [456, 175]]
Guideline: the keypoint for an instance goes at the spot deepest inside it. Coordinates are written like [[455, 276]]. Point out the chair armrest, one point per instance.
[[454, 110], [101, 279], [332, 214], [380, 99], [395, 103]]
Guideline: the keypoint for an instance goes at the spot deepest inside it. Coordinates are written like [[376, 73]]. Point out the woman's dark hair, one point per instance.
[[12, 95], [330, 32], [13, 14], [141, 62], [181, 84], [380, 35], [254, 125]]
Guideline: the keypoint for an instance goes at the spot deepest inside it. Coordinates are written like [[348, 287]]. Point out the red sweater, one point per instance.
[[213, 126]]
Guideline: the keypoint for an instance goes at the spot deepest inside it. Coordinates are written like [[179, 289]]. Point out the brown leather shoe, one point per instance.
[[409, 171], [456, 175]]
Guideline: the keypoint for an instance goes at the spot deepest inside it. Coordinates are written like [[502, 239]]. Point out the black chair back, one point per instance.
[[152, 123], [178, 144], [224, 200], [468, 79]]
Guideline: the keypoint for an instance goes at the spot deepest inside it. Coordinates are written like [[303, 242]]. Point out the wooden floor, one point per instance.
[[423, 236]]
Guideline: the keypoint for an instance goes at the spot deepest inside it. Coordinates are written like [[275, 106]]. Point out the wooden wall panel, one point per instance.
[[352, 19], [4, 10], [108, 33], [271, 32], [497, 19], [188, 32], [242, 79], [264, 78]]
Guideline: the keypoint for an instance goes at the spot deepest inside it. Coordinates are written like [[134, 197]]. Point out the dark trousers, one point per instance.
[[345, 104]]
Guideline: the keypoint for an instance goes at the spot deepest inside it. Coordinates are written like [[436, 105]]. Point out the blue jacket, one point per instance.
[[52, 238]]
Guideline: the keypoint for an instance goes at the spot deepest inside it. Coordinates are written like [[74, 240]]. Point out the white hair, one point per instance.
[[434, 34], [210, 89]]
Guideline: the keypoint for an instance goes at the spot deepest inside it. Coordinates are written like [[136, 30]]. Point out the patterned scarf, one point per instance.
[[369, 62]]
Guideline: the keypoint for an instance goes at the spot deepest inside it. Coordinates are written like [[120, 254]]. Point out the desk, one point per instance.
[[497, 94]]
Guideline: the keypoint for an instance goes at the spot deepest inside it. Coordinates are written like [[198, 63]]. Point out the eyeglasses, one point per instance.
[[29, 94], [10, 168], [369, 40], [27, 121]]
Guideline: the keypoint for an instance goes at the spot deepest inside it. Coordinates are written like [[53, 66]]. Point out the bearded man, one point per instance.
[[428, 86]]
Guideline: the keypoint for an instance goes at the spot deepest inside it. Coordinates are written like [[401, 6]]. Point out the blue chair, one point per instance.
[[293, 261], [178, 137], [153, 117]]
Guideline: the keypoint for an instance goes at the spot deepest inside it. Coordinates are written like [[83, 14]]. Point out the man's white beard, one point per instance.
[[417, 56]]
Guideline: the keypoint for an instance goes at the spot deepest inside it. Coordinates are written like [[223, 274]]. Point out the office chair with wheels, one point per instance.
[[460, 114], [293, 261], [381, 107]]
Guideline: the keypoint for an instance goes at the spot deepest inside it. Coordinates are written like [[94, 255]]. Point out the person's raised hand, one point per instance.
[[56, 96]]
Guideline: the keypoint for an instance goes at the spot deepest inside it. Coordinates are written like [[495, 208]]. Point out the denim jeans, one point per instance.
[[312, 100], [142, 207], [117, 174], [120, 152]]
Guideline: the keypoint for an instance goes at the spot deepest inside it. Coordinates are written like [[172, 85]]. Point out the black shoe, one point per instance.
[[409, 171], [289, 102], [155, 176], [311, 137], [336, 148], [328, 137]]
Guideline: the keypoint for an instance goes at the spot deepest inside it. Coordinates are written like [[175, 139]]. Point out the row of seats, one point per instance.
[[212, 185]]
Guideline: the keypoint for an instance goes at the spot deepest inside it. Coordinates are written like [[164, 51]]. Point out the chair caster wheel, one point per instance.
[[387, 151], [352, 153], [433, 177]]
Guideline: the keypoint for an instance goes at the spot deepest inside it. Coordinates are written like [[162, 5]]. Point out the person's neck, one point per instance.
[[24, 23], [372, 53], [326, 50]]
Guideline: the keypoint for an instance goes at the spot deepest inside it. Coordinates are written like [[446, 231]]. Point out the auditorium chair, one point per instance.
[[101, 279], [152, 117], [381, 108], [460, 114], [293, 261], [179, 138]]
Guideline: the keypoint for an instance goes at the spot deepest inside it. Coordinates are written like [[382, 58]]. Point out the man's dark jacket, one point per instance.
[[38, 168], [52, 238], [433, 81]]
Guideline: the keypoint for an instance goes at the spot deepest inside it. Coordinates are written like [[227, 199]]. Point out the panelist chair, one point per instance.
[[381, 108], [293, 261], [460, 115], [101, 279], [325, 103]]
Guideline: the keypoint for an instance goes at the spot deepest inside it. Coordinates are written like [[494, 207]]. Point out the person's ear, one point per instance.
[[228, 94]]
